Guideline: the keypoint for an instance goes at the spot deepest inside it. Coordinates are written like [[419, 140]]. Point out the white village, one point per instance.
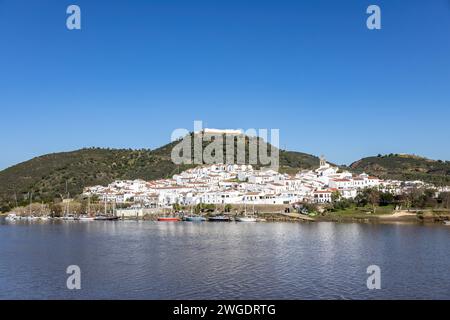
[[222, 185]]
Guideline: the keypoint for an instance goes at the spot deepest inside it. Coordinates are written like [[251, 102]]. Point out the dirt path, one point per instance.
[[398, 215]]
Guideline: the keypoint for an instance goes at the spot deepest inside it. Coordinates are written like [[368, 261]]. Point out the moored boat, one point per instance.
[[12, 217], [106, 218], [219, 219], [84, 217], [246, 219], [447, 223], [69, 217], [168, 219], [194, 219]]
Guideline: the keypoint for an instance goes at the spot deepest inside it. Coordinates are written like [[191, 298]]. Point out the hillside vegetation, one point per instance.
[[405, 167], [48, 176]]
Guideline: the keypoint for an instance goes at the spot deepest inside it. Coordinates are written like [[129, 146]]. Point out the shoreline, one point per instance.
[[402, 216], [427, 218]]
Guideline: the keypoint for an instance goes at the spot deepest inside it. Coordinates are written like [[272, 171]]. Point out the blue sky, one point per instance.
[[140, 69]]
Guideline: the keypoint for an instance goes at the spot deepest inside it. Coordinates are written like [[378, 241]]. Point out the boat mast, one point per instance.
[[31, 198], [245, 206]]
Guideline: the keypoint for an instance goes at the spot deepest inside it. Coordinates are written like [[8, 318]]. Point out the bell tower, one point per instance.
[[323, 161]]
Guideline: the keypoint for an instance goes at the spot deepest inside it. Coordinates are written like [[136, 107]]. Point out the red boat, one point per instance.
[[168, 219]]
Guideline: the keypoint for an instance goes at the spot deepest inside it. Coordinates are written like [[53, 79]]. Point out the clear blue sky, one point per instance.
[[139, 69]]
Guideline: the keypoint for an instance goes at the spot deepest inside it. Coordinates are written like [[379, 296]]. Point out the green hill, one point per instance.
[[405, 167], [49, 175]]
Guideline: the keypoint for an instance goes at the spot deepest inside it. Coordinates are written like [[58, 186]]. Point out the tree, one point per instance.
[[444, 199], [412, 198], [386, 198], [373, 197], [177, 207], [228, 208], [368, 196], [336, 196], [361, 199]]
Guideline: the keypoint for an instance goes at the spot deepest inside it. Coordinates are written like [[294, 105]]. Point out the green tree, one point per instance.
[[374, 198], [336, 196], [386, 198], [177, 207]]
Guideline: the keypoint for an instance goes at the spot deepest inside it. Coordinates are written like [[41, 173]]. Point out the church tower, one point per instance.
[[323, 161]]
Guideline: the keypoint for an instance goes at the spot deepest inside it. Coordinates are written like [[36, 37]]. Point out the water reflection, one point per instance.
[[151, 260]]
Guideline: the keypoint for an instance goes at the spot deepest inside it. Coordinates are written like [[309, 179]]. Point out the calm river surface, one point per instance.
[[150, 260]]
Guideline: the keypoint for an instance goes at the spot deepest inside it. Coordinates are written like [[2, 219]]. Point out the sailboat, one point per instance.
[[105, 216], [12, 217], [194, 218], [67, 215], [87, 217], [30, 216], [245, 217], [42, 216]]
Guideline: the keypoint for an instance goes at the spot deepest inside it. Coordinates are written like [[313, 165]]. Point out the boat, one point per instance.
[[246, 219], [69, 217], [12, 217], [447, 223], [85, 217], [168, 219], [219, 219], [43, 216], [106, 218], [194, 219]]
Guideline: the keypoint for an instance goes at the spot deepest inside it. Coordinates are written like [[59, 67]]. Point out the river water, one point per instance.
[[152, 260]]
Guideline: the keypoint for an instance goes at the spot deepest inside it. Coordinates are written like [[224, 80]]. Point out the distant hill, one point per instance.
[[47, 176], [405, 167]]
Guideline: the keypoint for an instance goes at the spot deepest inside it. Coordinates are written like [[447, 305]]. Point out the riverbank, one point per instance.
[[413, 216], [353, 215]]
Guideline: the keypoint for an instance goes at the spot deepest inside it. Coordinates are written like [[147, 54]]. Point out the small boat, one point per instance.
[[194, 219], [12, 217], [84, 217], [168, 219], [219, 219], [106, 218], [246, 219], [447, 223], [44, 218], [69, 217]]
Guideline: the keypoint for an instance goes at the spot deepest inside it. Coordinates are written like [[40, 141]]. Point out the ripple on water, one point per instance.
[[148, 260]]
